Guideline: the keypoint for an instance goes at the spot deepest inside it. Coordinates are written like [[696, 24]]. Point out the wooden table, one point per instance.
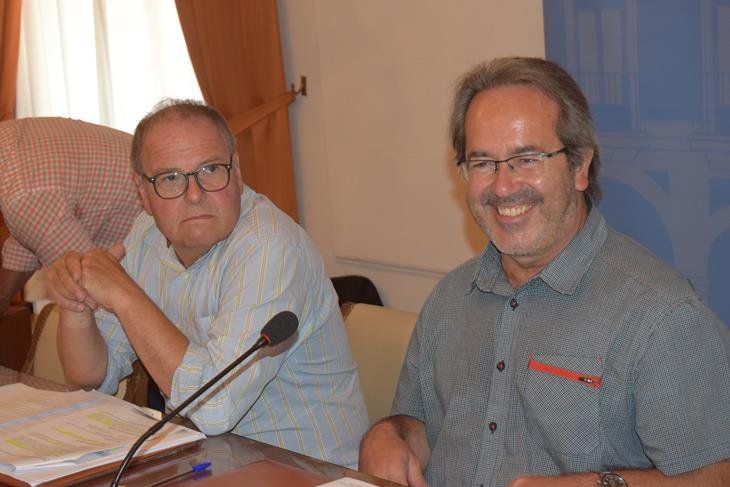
[[235, 460]]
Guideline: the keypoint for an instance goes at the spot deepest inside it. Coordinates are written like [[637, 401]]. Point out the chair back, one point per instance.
[[378, 337], [43, 360]]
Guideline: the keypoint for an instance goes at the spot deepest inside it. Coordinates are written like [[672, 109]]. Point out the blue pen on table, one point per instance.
[[196, 469]]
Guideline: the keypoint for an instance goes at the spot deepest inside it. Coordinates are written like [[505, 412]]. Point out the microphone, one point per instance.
[[280, 327]]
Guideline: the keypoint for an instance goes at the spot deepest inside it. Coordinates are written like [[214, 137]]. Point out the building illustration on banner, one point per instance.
[[657, 76]]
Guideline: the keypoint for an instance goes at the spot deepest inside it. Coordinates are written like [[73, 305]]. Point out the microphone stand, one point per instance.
[[261, 342]]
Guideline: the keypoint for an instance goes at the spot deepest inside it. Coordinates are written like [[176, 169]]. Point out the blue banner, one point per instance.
[[657, 76]]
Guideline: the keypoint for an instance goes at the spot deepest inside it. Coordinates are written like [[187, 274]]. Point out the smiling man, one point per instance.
[[566, 354], [201, 271]]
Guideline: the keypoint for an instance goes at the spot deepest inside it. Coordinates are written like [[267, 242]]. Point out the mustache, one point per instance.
[[525, 196]]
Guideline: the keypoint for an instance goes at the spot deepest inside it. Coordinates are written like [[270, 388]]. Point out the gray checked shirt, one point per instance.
[[605, 360]]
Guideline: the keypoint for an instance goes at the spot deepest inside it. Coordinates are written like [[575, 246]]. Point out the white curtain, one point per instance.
[[102, 61]]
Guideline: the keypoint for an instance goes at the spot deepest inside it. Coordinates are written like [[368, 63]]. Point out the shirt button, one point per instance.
[[492, 426], [500, 365], [513, 303]]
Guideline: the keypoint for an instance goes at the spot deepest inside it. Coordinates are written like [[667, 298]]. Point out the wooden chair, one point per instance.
[[43, 361]]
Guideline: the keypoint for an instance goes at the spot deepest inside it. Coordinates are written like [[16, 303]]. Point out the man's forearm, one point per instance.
[[81, 349], [96, 279], [413, 432], [396, 449], [715, 475], [158, 343]]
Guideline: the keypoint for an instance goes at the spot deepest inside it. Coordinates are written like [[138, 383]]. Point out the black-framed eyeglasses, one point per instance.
[[520, 164], [211, 177]]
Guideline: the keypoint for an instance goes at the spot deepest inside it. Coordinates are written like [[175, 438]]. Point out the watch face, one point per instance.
[[610, 479]]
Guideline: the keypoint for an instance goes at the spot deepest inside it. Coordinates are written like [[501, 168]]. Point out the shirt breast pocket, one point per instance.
[[560, 397]]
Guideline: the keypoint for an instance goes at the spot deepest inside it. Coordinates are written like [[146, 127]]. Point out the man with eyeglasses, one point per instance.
[[201, 272], [566, 355]]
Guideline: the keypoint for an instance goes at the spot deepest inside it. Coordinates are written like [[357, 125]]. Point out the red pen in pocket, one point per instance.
[[589, 380]]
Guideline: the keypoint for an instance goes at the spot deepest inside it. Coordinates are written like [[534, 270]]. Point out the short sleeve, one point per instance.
[[409, 396], [43, 222], [682, 390], [66, 185], [18, 258]]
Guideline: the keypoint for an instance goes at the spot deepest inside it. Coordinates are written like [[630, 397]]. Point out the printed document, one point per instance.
[[46, 434]]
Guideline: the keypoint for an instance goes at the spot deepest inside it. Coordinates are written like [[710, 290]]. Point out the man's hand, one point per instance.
[[81, 347], [81, 282], [65, 288], [385, 454], [104, 279]]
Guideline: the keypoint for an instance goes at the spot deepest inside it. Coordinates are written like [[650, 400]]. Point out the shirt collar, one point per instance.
[[562, 274]]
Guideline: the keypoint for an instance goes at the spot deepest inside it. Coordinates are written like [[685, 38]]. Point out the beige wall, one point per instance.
[[377, 188]]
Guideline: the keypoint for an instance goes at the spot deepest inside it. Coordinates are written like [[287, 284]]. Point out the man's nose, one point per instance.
[[503, 182], [194, 193]]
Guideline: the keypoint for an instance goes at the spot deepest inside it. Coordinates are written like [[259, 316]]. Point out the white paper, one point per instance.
[[347, 482], [46, 434]]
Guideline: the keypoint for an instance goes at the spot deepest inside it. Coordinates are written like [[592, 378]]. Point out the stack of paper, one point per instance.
[[46, 435]]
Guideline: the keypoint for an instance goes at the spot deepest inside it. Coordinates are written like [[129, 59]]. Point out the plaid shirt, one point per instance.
[[605, 360], [66, 185]]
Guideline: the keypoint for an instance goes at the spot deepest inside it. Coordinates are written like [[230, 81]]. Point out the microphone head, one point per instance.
[[280, 327]]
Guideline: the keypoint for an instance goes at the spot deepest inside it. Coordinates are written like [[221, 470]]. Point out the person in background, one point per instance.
[[202, 270], [566, 354], [66, 185]]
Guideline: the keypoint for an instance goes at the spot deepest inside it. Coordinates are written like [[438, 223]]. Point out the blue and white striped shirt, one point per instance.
[[302, 396]]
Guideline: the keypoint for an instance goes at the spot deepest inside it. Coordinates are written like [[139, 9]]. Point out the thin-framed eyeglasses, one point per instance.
[[521, 164], [210, 177]]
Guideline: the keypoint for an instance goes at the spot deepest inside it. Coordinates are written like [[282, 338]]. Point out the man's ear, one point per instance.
[[237, 170], [142, 192], [582, 171]]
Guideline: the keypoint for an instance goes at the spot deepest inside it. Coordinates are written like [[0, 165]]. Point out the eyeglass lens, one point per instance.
[[211, 177]]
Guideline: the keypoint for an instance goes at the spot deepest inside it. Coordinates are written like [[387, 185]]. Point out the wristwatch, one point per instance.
[[611, 479]]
